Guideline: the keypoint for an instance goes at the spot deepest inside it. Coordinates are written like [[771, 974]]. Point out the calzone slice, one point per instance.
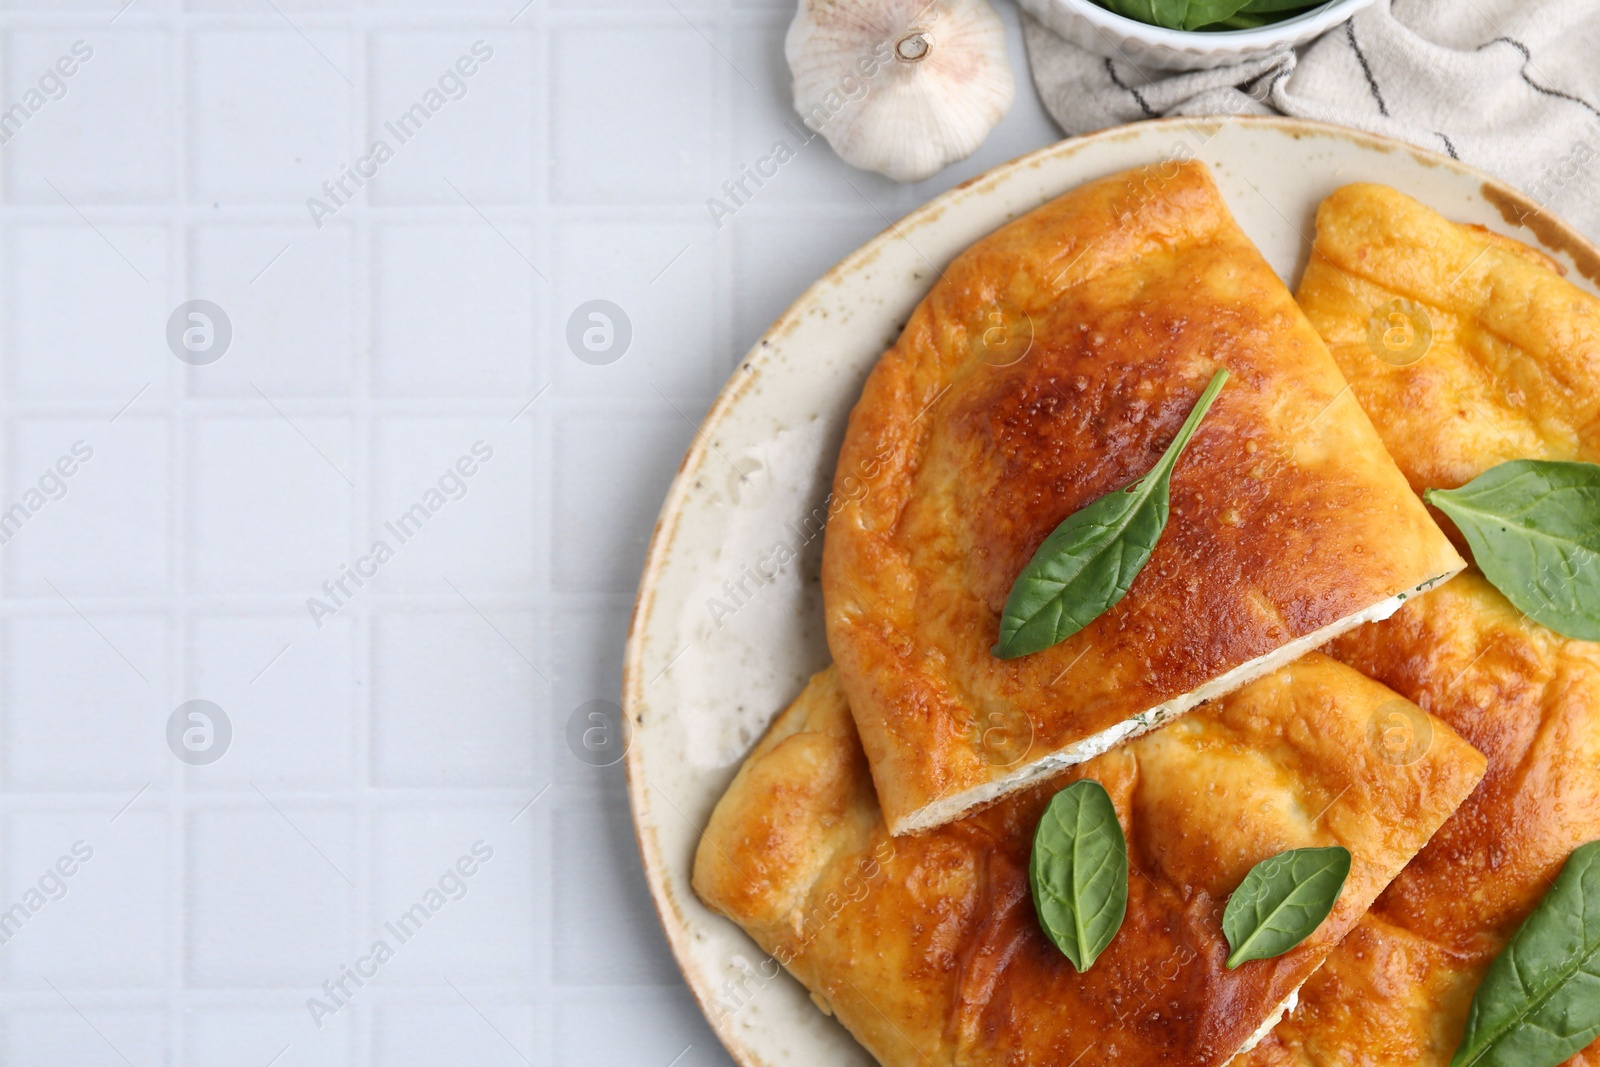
[[1397, 990], [1052, 363], [1511, 369], [927, 947]]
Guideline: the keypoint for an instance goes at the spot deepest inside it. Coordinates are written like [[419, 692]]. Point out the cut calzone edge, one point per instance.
[[1511, 370], [927, 948], [1051, 364]]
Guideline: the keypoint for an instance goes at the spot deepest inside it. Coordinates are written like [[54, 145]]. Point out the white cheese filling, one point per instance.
[[945, 809], [1289, 1004]]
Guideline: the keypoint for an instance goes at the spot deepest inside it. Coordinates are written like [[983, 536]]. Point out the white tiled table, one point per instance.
[[368, 355]]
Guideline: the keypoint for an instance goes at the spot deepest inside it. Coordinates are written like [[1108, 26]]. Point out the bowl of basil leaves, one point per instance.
[[1190, 34]]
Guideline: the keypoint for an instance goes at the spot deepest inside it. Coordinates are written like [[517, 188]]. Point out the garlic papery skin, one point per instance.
[[902, 87]]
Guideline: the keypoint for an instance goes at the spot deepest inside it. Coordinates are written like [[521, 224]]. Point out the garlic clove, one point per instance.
[[902, 87]]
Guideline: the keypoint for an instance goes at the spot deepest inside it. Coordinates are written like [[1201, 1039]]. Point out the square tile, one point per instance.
[[776, 258], [453, 311], [483, 530], [105, 129], [611, 475], [662, 1024], [454, 106], [63, 5], [269, 503], [456, 895], [663, 277], [452, 692], [77, 714], [101, 891], [101, 1036], [635, 5], [290, 697], [402, 6], [587, 666], [110, 288], [227, 1037], [605, 932], [94, 504], [292, 92], [253, 8], [269, 894], [289, 299], [504, 1035], [804, 170], [635, 116]]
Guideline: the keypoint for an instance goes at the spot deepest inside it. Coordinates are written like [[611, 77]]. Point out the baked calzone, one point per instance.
[[1051, 364], [927, 947], [1493, 357]]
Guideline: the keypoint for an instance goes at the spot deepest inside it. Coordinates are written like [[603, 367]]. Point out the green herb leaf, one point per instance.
[[1088, 562], [1539, 1002], [1203, 13], [1150, 12], [1079, 871], [1534, 528], [1241, 21], [1207, 14], [1279, 7], [1282, 901]]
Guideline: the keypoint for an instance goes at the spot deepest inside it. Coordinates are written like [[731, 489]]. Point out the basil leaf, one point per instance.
[[1206, 12], [1240, 21], [1539, 1002], [1167, 13], [1184, 14], [1282, 901], [1079, 871], [1279, 7], [1088, 562], [1534, 529]]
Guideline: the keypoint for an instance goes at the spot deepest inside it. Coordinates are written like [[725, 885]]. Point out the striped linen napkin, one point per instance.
[[1509, 86]]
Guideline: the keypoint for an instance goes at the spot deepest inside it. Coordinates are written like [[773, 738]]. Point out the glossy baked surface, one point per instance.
[[1397, 990], [1513, 367], [1051, 364], [1513, 371], [927, 947]]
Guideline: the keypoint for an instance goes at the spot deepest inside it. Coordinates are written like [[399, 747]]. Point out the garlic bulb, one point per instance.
[[902, 87]]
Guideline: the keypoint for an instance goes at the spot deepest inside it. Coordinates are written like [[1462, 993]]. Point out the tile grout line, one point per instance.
[[363, 461], [723, 263], [178, 466], [542, 438], [7, 346]]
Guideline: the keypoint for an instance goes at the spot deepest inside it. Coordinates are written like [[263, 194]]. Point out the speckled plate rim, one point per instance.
[[667, 876]]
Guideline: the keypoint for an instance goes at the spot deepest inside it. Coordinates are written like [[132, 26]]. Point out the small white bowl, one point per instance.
[[1091, 26]]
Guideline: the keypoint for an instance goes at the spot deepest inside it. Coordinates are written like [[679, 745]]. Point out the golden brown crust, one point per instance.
[[1287, 515], [1398, 990], [1514, 364], [927, 947], [1530, 700]]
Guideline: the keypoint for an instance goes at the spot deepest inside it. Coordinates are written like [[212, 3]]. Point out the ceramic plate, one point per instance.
[[728, 622]]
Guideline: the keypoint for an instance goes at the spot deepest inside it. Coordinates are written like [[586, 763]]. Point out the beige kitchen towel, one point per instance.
[[1510, 86]]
